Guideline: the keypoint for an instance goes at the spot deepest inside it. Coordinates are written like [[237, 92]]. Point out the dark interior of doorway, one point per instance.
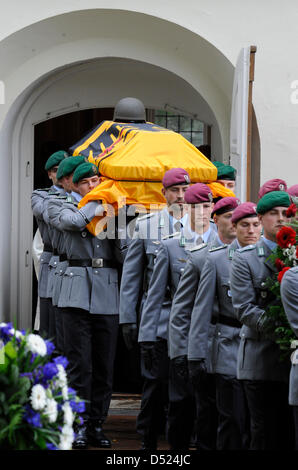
[[59, 134]]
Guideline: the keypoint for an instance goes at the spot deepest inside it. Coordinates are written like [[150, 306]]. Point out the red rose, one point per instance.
[[286, 236], [297, 252], [279, 264], [281, 274], [291, 211]]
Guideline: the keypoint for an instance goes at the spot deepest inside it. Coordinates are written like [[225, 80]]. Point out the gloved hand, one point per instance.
[[148, 353], [180, 365], [197, 371], [266, 326], [130, 334]]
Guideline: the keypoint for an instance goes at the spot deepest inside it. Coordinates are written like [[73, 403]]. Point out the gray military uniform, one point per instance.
[[289, 296], [258, 356], [169, 266], [138, 267], [214, 288], [180, 316]]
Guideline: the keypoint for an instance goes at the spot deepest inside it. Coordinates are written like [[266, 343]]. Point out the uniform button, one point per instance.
[[60, 270], [243, 334], [97, 246], [182, 269], [71, 274], [95, 272], [156, 251], [55, 262], [219, 333]]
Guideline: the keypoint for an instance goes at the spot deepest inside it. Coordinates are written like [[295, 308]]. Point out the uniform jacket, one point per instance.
[[138, 267], [88, 288], [184, 298], [168, 267], [258, 356], [38, 199], [289, 297], [214, 294]]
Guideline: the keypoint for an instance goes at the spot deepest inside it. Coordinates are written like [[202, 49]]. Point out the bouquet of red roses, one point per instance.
[[284, 257]]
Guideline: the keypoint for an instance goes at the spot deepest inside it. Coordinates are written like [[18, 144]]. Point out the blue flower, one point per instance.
[[49, 370], [5, 334], [27, 374], [33, 357], [51, 446], [71, 392], [50, 347], [32, 417], [61, 360], [77, 407]]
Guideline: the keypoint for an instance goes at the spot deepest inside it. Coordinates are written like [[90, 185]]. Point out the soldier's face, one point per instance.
[[67, 183], [230, 184], [200, 216], [248, 230], [273, 221], [225, 226], [87, 184], [52, 174], [175, 197]]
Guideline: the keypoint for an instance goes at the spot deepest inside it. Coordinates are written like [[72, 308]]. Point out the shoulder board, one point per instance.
[[246, 248], [146, 216], [217, 248], [59, 196], [43, 189], [198, 247], [171, 235]]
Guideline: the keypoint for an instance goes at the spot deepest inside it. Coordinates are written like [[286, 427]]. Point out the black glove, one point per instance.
[[130, 334], [148, 353], [266, 326], [180, 365], [197, 371]]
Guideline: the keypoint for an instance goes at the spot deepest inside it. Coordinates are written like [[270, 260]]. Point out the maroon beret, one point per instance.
[[175, 176], [272, 185], [225, 204], [293, 190], [246, 209], [198, 193]]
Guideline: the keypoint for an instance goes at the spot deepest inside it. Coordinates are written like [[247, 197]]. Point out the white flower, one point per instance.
[[16, 333], [62, 377], [51, 410], [66, 438], [38, 397], [65, 392], [68, 414], [36, 345]]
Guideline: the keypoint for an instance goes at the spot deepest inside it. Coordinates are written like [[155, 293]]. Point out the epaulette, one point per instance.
[[171, 235], [198, 247], [146, 216], [43, 189], [217, 248], [246, 248]]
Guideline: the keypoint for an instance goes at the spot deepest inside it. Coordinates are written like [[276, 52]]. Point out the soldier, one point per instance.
[[180, 318], [289, 297], [293, 192], [226, 175], [47, 322], [214, 288], [259, 366], [272, 185], [58, 262], [137, 271], [169, 265], [90, 300]]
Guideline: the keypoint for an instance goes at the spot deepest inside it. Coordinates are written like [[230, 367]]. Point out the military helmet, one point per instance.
[[129, 110]]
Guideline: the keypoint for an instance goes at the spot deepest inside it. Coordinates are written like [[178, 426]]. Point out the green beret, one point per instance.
[[218, 164], [226, 172], [273, 199], [55, 159], [85, 170], [68, 165]]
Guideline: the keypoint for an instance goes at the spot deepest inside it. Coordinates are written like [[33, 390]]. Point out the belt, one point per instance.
[[63, 257], [92, 262], [229, 321], [55, 252]]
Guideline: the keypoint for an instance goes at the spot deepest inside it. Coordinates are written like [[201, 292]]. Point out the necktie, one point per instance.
[[199, 240], [178, 226]]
